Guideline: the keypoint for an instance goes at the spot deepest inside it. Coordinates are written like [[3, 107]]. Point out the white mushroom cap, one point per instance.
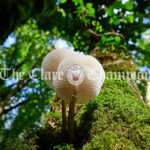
[[89, 78], [51, 62], [87, 60]]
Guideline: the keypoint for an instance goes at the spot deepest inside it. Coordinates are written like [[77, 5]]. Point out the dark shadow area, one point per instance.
[[86, 120]]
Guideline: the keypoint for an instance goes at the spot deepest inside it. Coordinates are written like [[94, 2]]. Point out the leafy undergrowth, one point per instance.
[[116, 120]]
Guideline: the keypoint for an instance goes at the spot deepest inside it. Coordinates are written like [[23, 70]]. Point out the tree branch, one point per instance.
[[93, 33], [11, 108], [115, 33], [19, 84], [136, 91], [107, 33]]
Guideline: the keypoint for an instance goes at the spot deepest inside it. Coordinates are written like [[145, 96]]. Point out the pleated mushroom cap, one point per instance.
[[51, 62], [86, 60], [80, 72]]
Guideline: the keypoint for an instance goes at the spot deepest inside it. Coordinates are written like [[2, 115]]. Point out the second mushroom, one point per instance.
[[78, 79]]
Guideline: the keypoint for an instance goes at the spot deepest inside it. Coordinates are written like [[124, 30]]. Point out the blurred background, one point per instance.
[[116, 32]]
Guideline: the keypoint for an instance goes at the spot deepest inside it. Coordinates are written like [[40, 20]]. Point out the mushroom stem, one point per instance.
[[71, 117], [64, 119]]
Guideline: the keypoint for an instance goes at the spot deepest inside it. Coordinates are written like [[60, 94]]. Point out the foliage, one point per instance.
[[117, 119], [15, 13], [109, 30], [112, 26], [29, 98]]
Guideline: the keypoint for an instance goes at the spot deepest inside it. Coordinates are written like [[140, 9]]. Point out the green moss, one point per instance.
[[116, 119], [124, 66]]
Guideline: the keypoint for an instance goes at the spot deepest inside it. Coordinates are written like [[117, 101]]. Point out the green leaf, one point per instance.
[[89, 5], [131, 18], [100, 29], [86, 20], [77, 2], [117, 4], [129, 5], [90, 10], [63, 1], [117, 22], [110, 11], [93, 22], [117, 39], [111, 20]]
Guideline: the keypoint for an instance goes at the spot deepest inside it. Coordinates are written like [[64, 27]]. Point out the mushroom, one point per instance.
[[79, 68], [49, 68], [51, 62], [80, 82]]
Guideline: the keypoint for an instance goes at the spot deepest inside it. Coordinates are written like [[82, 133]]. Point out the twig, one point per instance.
[[108, 33], [15, 106], [136, 91], [94, 33], [114, 33]]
